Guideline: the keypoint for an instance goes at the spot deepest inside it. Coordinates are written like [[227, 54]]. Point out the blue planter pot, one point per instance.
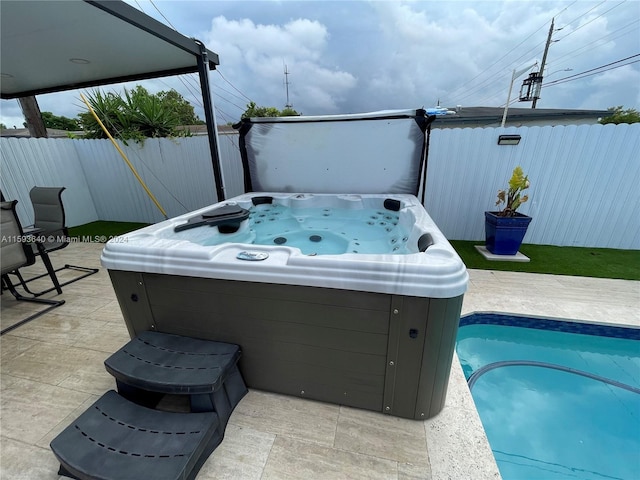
[[504, 234]]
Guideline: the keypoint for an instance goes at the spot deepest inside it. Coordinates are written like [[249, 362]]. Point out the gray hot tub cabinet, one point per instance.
[[383, 352]]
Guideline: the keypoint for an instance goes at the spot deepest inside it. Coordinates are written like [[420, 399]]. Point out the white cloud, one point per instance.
[[613, 88], [255, 54], [11, 114]]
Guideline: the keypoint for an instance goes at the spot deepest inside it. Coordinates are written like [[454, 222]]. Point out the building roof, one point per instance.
[[492, 116]]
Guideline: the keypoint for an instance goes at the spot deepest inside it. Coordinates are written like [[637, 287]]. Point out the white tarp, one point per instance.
[[378, 152]]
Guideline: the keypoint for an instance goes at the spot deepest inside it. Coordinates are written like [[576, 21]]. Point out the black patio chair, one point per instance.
[[16, 253], [50, 225]]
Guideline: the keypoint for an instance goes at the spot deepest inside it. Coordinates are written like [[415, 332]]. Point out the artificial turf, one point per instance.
[[101, 231], [576, 261]]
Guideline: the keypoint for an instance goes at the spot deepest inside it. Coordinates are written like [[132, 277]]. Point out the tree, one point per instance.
[[183, 108], [254, 111], [289, 112], [3, 126], [61, 123], [618, 115], [138, 114]]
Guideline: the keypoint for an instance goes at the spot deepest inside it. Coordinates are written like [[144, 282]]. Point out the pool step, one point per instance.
[[154, 364], [121, 436], [117, 439]]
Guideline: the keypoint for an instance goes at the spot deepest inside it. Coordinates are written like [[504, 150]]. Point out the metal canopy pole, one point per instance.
[[209, 116]]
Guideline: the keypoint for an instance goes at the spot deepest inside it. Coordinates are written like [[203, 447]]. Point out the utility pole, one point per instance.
[[286, 83], [544, 58]]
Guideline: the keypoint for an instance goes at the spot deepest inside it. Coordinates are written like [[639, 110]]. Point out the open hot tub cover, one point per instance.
[[377, 152]]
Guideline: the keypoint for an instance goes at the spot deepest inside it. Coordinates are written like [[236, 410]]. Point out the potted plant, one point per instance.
[[505, 229]]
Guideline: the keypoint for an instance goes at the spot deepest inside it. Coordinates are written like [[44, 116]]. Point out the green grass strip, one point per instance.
[[101, 231], [575, 261]]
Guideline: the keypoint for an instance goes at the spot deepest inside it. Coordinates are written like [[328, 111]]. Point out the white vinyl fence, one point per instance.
[[584, 179]]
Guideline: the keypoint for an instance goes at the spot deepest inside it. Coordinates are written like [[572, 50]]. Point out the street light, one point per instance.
[[563, 70], [515, 75]]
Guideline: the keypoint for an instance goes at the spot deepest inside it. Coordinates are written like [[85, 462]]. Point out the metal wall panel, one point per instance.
[[177, 171], [29, 162], [232, 170], [584, 182], [584, 179]]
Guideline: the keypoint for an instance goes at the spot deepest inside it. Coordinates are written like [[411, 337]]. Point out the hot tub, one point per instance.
[[351, 298]]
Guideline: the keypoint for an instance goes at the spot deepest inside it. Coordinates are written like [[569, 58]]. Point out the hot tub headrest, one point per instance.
[[424, 242], [229, 217]]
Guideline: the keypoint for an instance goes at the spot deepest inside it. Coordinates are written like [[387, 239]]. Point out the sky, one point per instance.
[[362, 56]]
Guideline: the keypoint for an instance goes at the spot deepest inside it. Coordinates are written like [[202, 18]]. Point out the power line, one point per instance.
[[162, 15], [490, 66], [558, 82], [139, 6], [218, 87], [242, 109], [584, 74], [592, 20], [490, 83], [185, 79], [585, 13], [587, 46], [486, 70], [232, 85]]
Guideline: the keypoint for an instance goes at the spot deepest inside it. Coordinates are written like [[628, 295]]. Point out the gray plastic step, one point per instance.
[[116, 439], [153, 364]]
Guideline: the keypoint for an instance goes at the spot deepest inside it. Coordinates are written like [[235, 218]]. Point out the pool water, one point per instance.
[[321, 231], [558, 400]]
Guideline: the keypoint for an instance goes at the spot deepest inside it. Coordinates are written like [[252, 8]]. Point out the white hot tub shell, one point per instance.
[[375, 331]]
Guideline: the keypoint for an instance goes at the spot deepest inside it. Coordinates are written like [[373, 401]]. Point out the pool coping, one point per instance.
[[457, 445]]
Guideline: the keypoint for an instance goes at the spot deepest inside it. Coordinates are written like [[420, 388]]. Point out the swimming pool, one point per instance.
[[558, 399]]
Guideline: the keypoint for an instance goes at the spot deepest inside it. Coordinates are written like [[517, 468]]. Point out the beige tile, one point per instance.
[[14, 312], [92, 379], [381, 435], [22, 461], [79, 368], [80, 306], [105, 337], [467, 453], [295, 459], [29, 409], [110, 312], [284, 415], [242, 454], [12, 346], [58, 327], [409, 471]]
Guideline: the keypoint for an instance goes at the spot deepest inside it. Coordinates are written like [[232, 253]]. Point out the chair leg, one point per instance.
[[56, 284], [7, 284]]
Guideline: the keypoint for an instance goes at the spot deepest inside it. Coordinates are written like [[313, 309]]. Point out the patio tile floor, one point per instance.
[[52, 369]]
